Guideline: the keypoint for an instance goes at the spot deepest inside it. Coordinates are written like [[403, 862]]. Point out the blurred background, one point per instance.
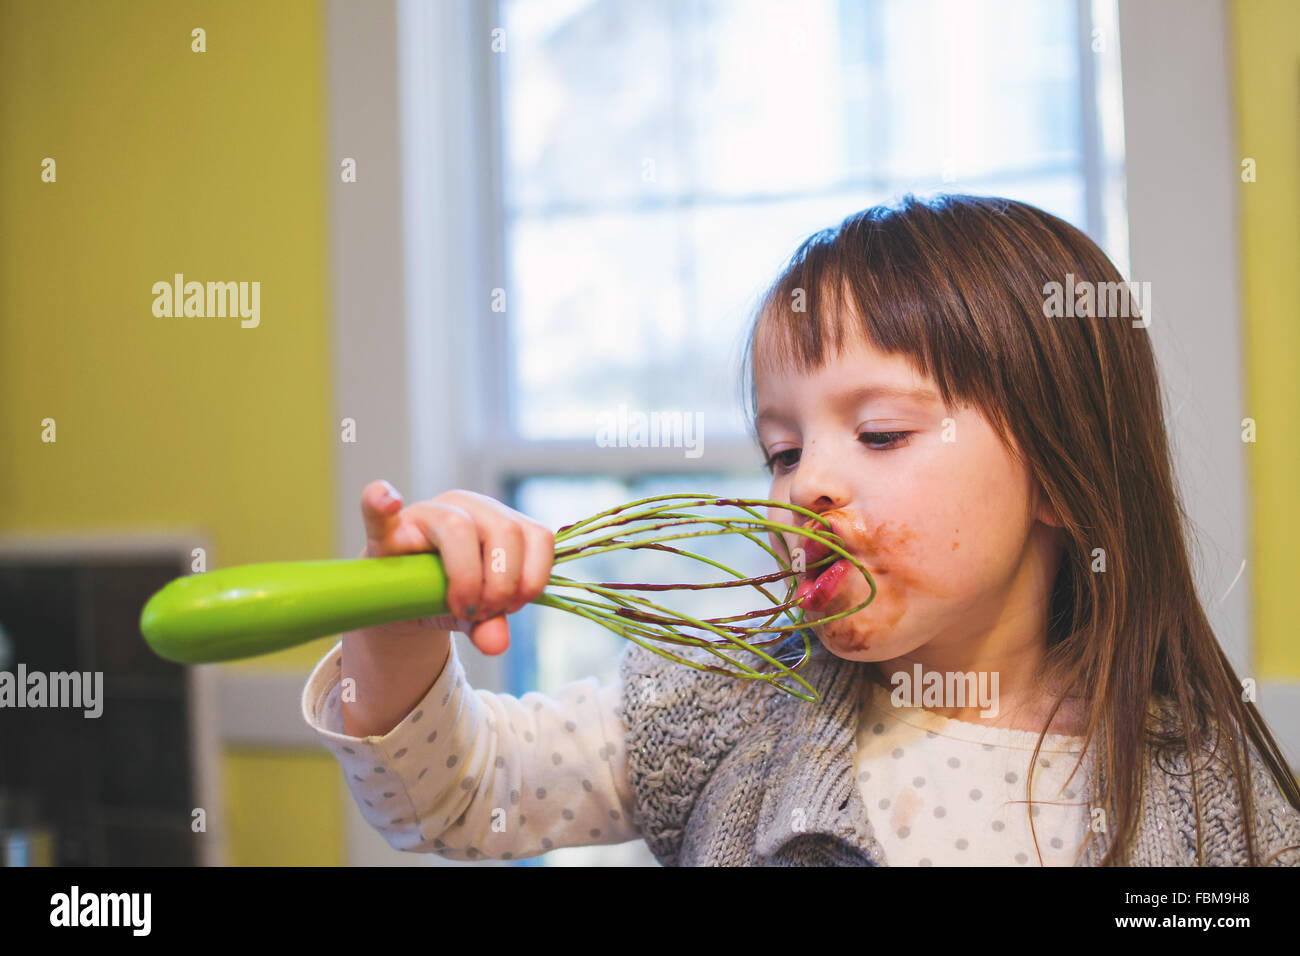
[[480, 226]]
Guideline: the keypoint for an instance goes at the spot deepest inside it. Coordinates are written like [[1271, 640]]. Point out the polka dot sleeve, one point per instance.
[[472, 774]]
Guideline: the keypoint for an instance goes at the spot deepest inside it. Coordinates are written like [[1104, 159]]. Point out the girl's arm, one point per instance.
[[474, 775]]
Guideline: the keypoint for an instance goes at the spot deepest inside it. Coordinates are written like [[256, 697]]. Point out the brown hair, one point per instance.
[[957, 284]]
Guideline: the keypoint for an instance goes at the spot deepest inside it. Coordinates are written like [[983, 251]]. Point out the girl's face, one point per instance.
[[927, 498]]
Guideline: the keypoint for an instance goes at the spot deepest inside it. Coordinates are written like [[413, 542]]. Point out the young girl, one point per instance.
[[1003, 472]]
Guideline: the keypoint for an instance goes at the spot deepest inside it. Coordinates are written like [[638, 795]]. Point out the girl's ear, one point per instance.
[[1043, 511]]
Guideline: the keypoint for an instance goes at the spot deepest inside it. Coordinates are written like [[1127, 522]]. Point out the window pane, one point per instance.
[[974, 88], [601, 318], [617, 331], [763, 97], [587, 98], [664, 158]]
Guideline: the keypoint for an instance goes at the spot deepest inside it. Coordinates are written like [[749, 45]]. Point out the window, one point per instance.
[[661, 159], [653, 164]]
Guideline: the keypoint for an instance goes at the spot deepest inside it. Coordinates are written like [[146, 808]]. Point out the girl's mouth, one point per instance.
[[819, 591]]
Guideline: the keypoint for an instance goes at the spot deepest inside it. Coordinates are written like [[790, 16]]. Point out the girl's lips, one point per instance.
[[820, 591]]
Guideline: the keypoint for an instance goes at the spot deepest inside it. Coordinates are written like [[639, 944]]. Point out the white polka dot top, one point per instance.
[[471, 774], [945, 792]]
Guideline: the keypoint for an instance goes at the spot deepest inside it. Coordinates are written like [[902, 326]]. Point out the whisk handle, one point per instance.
[[253, 609]]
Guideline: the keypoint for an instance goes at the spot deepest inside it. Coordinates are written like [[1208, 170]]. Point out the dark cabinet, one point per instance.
[[112, 789]]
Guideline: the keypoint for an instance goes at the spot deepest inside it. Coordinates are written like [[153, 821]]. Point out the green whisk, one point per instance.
[[254, 609]]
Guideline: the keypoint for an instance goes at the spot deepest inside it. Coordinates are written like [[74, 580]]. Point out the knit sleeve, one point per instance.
[[1277, 823], [680, 723], [1222, 814], [470, 774]]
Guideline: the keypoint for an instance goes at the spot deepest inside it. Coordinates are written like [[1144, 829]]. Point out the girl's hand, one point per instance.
[[497, 560]]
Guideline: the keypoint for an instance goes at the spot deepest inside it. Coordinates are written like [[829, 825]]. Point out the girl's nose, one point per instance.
[[819, 483]]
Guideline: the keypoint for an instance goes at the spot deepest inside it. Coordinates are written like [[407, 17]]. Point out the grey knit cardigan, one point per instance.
[[720, 765]]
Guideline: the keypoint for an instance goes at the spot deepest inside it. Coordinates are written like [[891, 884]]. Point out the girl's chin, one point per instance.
[[843, 640]]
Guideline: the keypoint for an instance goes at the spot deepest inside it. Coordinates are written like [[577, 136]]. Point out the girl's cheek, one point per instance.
[[935, 548], [977, 545], [972, 502]]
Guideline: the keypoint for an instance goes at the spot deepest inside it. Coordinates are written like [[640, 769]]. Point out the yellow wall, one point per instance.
[[1266, 47], [305, 786], [210, 164]]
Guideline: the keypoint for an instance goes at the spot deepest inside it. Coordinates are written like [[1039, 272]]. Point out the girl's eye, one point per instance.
[[878, 441], [887, 439], [777, 458]]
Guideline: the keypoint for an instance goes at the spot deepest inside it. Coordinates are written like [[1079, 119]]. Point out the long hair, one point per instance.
[[960, 286]]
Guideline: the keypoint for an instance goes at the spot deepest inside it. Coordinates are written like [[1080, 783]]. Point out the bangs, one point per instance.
[[898, 282]]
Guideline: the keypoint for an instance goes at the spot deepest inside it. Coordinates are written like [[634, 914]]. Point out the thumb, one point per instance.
[[492, 636], [381, 503]]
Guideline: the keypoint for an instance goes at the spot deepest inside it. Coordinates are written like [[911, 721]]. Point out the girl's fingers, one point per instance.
[[496, 559], [539, 556], [502, 535], [503, 563], [381, 504], [537, 550], [454, 536]]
